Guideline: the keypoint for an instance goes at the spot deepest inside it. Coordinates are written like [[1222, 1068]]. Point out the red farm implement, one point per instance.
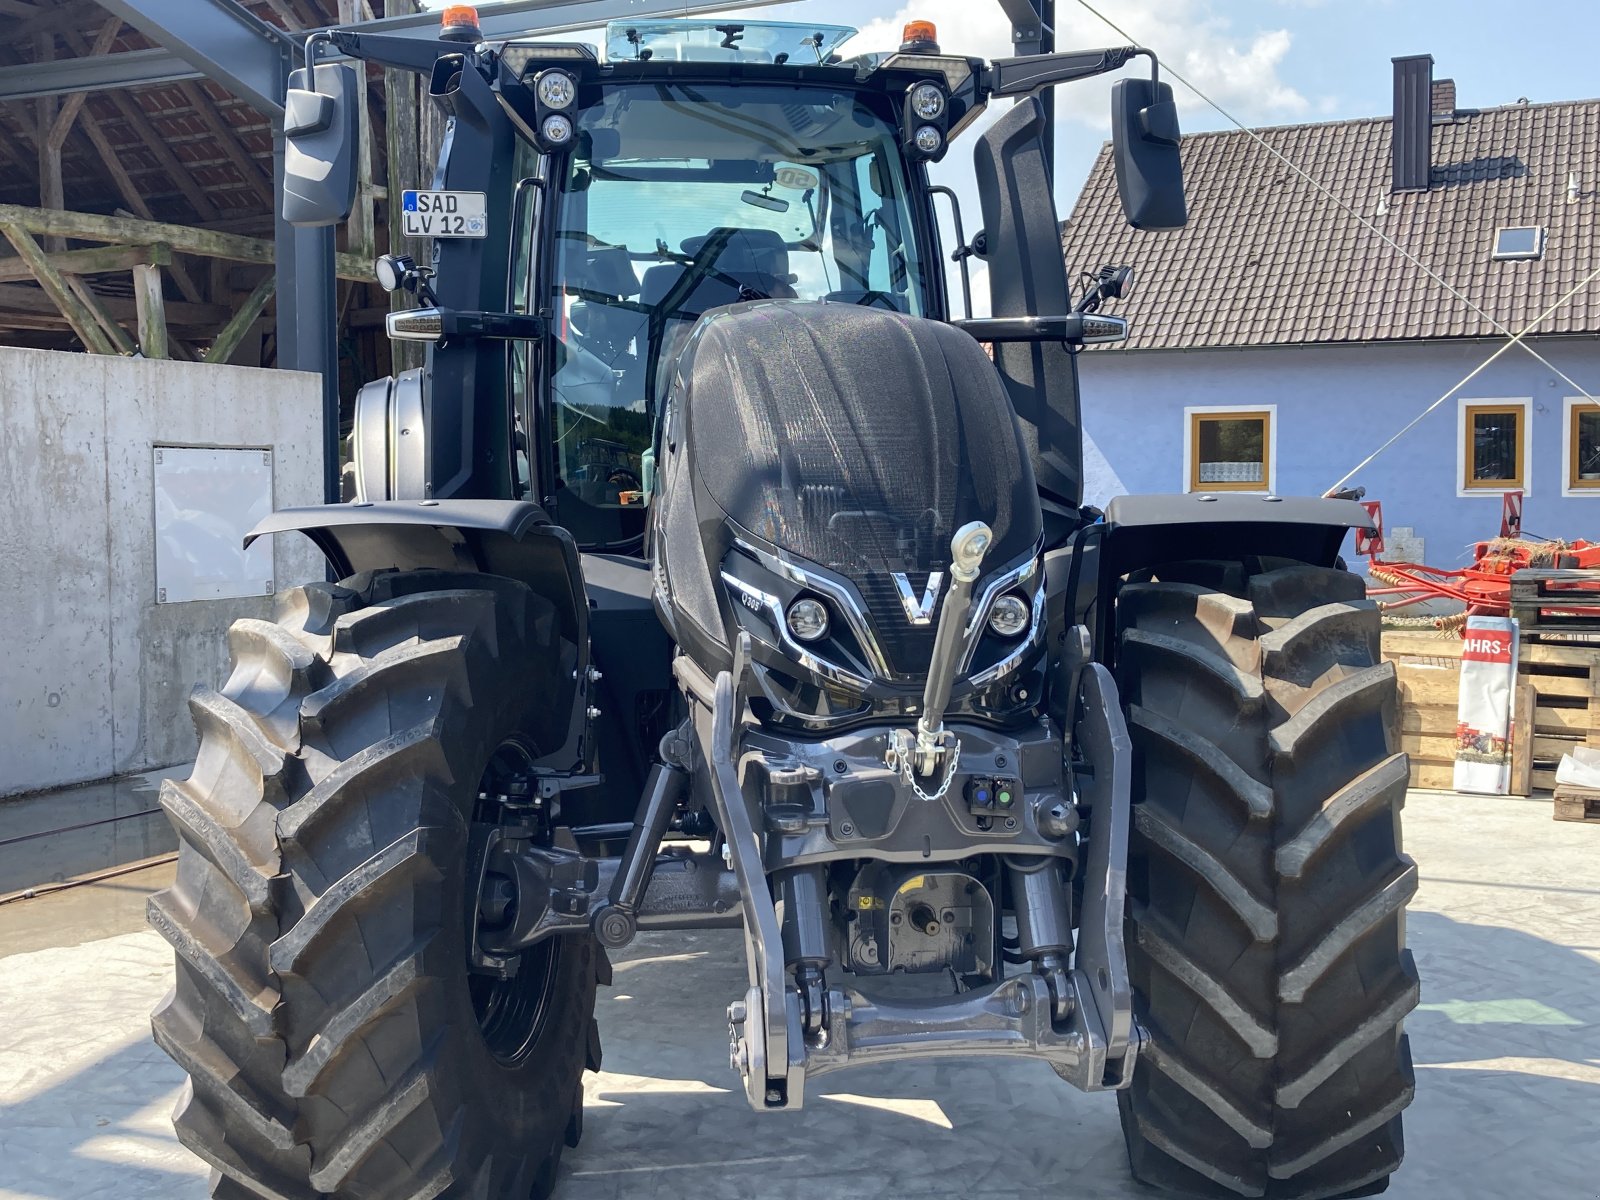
[[1550, 586]]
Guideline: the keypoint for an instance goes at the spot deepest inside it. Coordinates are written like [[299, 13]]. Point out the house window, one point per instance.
[[1519, 241], [1230, 450], [1583, 446], [1494, 446]]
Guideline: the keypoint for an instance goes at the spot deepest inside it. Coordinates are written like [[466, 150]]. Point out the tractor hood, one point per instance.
[[858, 440]]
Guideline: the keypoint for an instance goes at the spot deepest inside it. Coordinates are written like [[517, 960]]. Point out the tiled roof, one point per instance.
[[1268, 260]]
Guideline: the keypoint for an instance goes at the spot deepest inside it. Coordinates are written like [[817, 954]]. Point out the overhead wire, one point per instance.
[[1515, 339], [1466, 379]]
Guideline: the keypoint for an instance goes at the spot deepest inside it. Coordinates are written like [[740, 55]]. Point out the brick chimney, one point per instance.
[[1444, 100], [1413, 123]]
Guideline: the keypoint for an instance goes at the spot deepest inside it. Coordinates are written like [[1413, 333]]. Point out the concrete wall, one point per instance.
[[94, 673], [1335, 406]]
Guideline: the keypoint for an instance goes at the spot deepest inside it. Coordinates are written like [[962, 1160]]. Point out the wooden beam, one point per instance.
[[151, 306], [251, 172], [50, 322], [287, 15], [130, 192], [185, 239], [108, 325], [97, 260], [55, 18], [52, 193], [133, 197], [70, 107], [180, 314], [55, 288], [239, 324], [181, 175]]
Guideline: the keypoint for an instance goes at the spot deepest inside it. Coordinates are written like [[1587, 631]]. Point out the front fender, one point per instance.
[[1144, 531], [513, 538]]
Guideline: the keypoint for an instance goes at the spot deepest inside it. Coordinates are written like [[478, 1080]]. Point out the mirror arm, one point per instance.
[[391, 50], [1019, 76], [321, 37]]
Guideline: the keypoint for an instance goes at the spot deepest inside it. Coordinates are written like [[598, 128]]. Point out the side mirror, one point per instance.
[[1144, 142], [319, 157]]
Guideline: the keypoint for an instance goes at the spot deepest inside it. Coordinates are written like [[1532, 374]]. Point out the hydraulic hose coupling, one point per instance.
[[967, 549]]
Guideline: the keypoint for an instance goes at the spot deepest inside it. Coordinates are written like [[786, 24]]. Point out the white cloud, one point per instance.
[[1239, 70]]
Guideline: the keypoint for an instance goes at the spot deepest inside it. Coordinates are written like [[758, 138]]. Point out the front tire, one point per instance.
[[335, 1040], [1266, 936]]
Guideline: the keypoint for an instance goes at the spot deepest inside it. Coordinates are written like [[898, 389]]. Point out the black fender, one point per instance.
[[512, 538], [1145, 531]]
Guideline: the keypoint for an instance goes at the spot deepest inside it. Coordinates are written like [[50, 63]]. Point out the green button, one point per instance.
[[1003, 798]]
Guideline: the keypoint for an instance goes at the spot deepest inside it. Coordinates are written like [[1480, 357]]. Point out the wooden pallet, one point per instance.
[[1548, 603], [1577, 804], [1557, 699]]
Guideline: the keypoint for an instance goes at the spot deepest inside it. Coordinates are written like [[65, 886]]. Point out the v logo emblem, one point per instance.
[[918, 612]]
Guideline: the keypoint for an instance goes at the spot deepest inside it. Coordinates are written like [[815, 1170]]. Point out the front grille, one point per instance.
[[908, 647]]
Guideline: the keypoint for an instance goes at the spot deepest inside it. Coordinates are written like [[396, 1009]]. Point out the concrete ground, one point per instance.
[[1506, 930]]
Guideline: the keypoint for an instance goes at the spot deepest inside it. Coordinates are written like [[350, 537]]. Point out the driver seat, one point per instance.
[[755, 259]]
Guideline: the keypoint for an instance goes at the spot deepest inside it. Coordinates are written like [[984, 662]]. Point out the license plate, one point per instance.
[[444, 214]]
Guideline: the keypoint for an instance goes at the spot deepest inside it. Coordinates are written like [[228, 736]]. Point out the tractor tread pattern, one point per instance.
[[323, 798], [1256, 796], [1268, 887], [1161, 832], [1381, 786]]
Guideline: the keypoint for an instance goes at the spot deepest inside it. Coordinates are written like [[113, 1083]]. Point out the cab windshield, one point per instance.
[[679, 198]]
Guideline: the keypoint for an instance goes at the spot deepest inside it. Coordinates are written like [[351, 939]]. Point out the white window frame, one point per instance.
[[1519, 255], [1569, 407], [1525, 403], [1271, 410]]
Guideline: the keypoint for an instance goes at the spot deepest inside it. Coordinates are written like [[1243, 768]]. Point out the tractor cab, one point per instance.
[[685, 166], [683, 195]]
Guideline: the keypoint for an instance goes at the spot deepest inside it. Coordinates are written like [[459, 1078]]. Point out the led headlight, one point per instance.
[[807, 619], [928, 139], [927, 101], [1010, 616], [556, 89], [557, 129]]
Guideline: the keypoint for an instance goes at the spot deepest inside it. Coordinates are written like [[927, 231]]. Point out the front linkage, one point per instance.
[[773, 809]]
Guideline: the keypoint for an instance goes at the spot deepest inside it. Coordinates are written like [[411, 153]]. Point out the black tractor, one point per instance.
[[710, 574]]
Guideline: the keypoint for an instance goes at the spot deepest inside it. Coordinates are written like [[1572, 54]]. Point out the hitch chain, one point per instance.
[[899, 756]]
